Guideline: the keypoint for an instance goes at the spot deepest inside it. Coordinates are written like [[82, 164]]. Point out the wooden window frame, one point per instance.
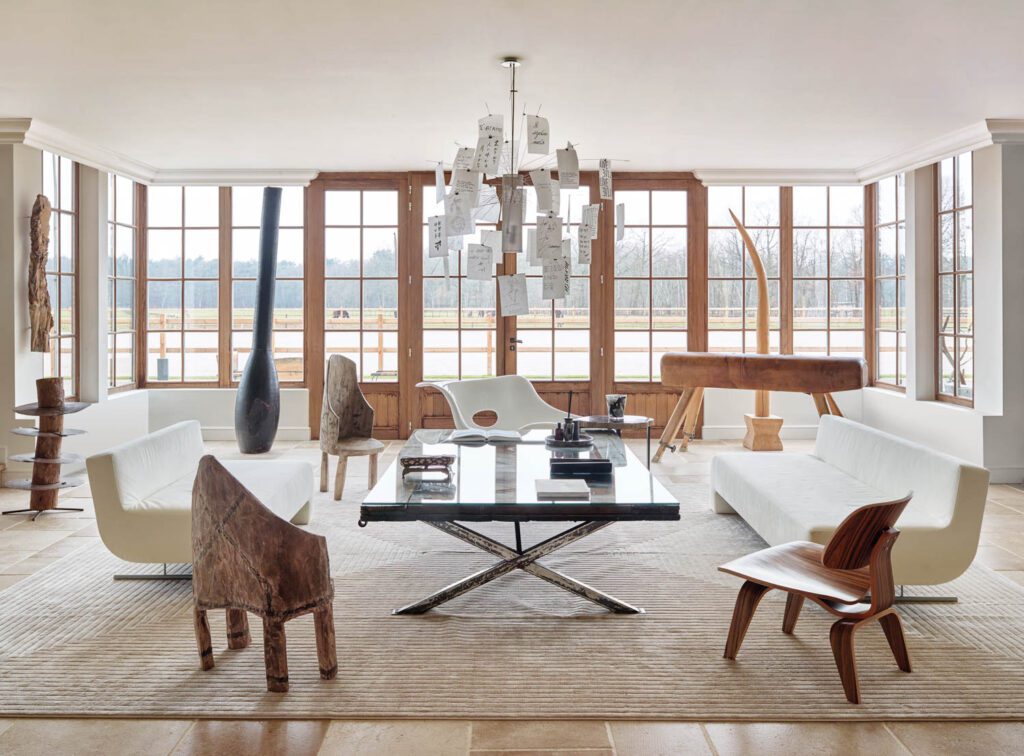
[[900, 276], [955, 273], [57, 248], [113, 277]]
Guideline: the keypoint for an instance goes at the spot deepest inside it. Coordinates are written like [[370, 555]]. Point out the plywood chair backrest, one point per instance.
[[346, 413], [851, 545]]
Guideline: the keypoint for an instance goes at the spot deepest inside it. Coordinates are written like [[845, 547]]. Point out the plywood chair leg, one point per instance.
[[339, 477], [238, 629], [841, 637], [746, 603], [203, 641], [893, 629], [275, 655], [373, 470], [794, 603], [326, 651], [324, 465]]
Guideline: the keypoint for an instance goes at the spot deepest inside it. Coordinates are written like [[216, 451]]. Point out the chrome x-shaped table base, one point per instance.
[[514, 560]]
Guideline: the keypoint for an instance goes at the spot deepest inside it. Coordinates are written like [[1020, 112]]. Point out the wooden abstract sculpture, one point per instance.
[[46, 482], [247, 559], [346, 424], [39, 309], [850, 577], [692, 372]]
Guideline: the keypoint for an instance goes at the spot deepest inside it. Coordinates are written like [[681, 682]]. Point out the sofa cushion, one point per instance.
[[144, 465]]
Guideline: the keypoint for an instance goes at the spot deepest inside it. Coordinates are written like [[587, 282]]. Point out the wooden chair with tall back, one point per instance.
[[247, 559], [346, 424], [850, 577]]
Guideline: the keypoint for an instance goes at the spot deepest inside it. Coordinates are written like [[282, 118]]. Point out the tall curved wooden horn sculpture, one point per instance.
[[762, 427]]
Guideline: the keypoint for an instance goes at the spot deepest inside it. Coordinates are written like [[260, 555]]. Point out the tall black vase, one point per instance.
[[258, 402]]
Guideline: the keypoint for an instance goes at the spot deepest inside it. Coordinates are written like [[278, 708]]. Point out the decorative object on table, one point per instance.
[[258, 401], [142, 493], [581, 468], [849, 577], [247, 559], [434, 463], [618, 424], [582, 441], [562, 488], [616, 405], [46, 482], [346, 424], [40, 310], [512, 398], [692, 372]]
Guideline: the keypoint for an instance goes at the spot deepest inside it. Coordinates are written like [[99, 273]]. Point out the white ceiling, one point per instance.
[[667, 84]]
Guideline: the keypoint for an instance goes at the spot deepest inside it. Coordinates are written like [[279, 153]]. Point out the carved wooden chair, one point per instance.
[[850, 577], [346, 424], [247, 559]]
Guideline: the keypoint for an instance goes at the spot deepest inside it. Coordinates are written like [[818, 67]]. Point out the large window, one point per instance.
[[121, 239], [361, 286], [650, 282], [60, 185], [287, 335], [890, 283], [955, 351], [732, 283], [555, 336], [459, 317], [828, 270], [182, 288]]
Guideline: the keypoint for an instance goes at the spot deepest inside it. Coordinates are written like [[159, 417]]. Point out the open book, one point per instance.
[[485, 436]]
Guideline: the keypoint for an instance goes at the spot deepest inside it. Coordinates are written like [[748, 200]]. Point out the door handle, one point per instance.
[[512, 341]]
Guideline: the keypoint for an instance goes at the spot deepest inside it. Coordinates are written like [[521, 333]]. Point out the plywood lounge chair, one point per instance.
[[850, 577], [346, 424]]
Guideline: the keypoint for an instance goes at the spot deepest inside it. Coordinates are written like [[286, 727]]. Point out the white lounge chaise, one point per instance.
[[511, 397], [803, 497], [142, 492]]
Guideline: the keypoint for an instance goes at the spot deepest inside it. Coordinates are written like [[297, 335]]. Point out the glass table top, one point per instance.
[[497, 482]]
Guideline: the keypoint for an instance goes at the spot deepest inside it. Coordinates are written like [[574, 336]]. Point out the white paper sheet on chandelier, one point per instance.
[[568, 167], [512, 199], [549, 236], [555, 282], [489, 143], [438, 241], [479, 262], [458, 213], [605, 178], [538, 135], [548, 191], [512, 294]]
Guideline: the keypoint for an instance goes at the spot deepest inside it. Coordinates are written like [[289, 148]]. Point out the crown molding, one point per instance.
[[972, 137], [256, 177], [776, 177], [45, 137], [13, 130]]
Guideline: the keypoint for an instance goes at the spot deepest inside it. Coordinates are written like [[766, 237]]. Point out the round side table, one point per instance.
[[616, 424]]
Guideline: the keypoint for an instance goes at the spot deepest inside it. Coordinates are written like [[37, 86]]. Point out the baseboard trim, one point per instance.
[[287, 433], [1005, 475]]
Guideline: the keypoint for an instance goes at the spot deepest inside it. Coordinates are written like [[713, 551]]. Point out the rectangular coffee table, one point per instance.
[[495, 482]]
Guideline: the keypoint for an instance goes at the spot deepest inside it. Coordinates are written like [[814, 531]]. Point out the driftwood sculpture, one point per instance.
[[39, 309], [247, 559]]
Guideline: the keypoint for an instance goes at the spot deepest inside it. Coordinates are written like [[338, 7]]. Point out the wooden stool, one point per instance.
[[352, 447]]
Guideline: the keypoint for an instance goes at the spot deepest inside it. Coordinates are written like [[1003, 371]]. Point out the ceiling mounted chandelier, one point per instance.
[[488, 183]]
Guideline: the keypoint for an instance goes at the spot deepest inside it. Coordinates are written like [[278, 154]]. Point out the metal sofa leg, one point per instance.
[[902, 598], [165, 575]]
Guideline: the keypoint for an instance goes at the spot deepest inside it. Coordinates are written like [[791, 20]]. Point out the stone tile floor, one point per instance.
[[26, 547]]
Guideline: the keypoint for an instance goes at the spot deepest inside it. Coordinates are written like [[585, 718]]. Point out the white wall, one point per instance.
[[214, 408], [724, 410], [119, 418]]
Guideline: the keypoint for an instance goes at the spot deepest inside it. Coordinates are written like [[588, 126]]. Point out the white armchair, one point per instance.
[[511, 397]]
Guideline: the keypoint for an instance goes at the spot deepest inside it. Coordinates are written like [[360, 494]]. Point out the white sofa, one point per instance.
[[142, 492], [803, 497]]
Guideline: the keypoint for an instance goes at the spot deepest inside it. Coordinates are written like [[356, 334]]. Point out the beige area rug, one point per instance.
[[73, 642]]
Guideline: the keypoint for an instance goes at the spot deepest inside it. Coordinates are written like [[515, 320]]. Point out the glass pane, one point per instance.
[[53, 259], [201, 356], [947, 323], [479, 354], [341, 302], [50, 177], [631, 257], [201, 252], [965, 303], [946, 243], [762, 206], [111, 305], [668, 252], [246, 205], [947, 350], [293, 207], [632, 305], [341, 208], [540, 310], [200, 306], [380, 208], [946, 194], [965, 368], [163, 206], [637, 212], [125, 305], [810, 257], [964, 240], [901, 247], [810, 305], [847, 305], [243, 304], [290, 253], [885, 251], [572, 355], [574, 311], [725, 253], [245, 249], [722, 199], [163, 254], [202, 208], [846, 343], [346, 344], [669, 306], [123, 368], [725, 305], [124, 200], [124, 262], [902, 357], [380, 356], [478, 304], [847, 252], [67, 184], [287, 346], [380, 256], [380, 305], [846, 205], [885, 303], [810, 206], [901, 196], [288, 305], [534, 355], [810, 342], [67, 243], [163, 308], [886, 357], [725, 341], [663, 342], [632, 356], [885, 201], [66, 322], [341, 248], [901, 305], [440, 303], [766, 242], [440, 355], [964, 180], [668, 208], [163, 358]]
